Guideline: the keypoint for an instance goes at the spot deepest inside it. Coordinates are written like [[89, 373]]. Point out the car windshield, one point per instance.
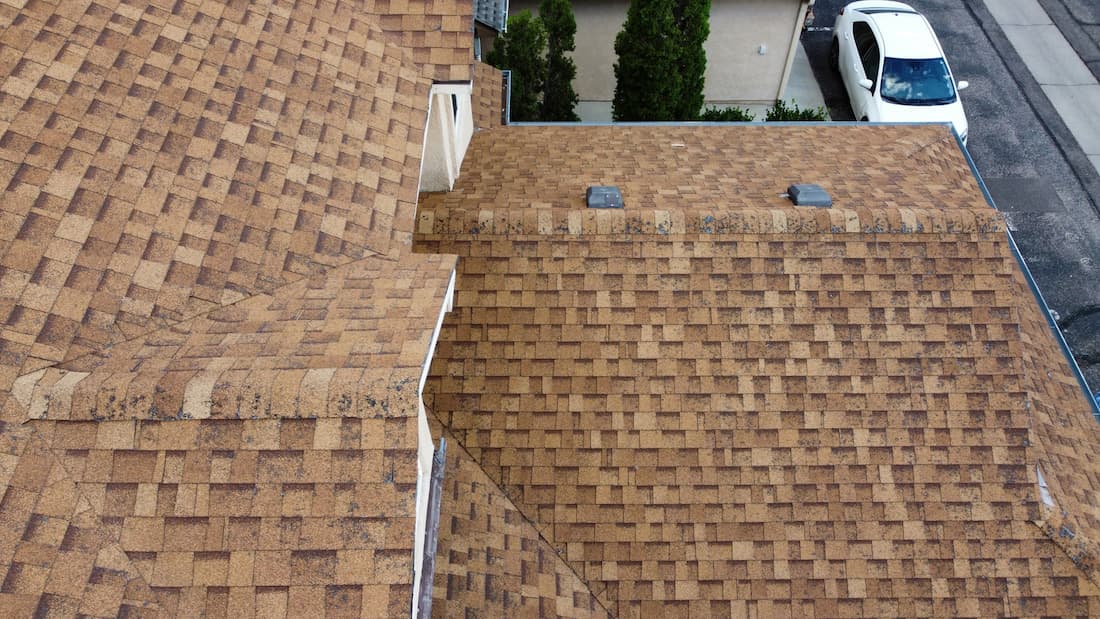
[[917, 82]]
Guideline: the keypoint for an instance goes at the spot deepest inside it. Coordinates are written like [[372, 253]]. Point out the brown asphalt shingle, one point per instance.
[[708, 168], [164, 160], [438, 34], [341, 344], [717, 403], [710, 403], [487, 96], [57, 557]]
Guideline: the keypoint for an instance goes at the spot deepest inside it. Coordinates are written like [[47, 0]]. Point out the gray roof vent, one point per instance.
[[601, 196], [807, 194]]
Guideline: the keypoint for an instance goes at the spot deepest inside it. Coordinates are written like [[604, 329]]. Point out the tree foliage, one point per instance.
[[693, 23], [662, 63], [559, 98], [521, 50], [648, 82]]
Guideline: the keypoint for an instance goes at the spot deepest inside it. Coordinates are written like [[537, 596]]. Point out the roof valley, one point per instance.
[[463, 483]]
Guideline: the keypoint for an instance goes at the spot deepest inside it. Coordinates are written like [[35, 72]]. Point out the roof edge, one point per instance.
[[1038, 294]]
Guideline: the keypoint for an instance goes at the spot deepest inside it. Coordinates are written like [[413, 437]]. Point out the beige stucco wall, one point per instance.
[[736, 71]]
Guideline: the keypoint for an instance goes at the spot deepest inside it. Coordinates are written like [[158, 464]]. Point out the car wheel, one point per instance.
[[834, 56], [864, 119]]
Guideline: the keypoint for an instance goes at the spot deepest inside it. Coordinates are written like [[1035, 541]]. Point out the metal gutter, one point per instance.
[[431, 542], [506, 74], [1053, 324]]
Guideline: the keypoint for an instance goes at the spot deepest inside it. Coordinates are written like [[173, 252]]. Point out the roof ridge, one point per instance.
[[553, 220], [327, 270], [454, 440]]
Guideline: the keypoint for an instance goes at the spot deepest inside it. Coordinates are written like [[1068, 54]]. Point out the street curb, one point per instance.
[[1071, 29], [1086, 174]]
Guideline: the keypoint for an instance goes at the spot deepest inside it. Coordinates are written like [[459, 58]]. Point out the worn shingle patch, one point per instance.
[[348, 343]]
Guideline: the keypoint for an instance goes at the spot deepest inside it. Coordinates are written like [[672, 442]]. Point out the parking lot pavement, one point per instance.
[[1038, 175]]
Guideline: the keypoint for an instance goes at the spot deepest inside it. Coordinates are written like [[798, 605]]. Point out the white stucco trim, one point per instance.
[[449, 130], [425, 449]]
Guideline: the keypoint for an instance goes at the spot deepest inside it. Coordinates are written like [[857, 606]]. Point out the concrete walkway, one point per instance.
[[1065, 79], [802, 87]]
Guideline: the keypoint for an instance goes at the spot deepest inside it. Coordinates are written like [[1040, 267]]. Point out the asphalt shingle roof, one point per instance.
[[213, 325], [713, 402]]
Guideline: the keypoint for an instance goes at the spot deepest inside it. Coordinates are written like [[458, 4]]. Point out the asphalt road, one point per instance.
[[1023, 152]]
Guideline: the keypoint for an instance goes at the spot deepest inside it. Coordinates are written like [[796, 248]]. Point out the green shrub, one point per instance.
[[726, 115], [661, 63], [784, 113]]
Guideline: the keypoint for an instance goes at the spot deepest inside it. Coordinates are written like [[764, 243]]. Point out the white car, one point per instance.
[[893, 66]]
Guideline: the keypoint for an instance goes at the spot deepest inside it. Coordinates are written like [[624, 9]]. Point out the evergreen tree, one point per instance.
[[521, 50], [647, 76], [559, 99], [693, 22]]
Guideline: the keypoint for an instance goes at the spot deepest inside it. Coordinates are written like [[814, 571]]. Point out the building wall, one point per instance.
[[736, 70]]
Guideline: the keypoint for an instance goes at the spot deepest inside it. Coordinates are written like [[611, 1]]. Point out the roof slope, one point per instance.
[[213, 325], [1067, 438], [167, 160], [902, 168], [715, 402]]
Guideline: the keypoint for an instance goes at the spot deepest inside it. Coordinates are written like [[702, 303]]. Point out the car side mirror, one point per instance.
[[866, 84], [963, 84]]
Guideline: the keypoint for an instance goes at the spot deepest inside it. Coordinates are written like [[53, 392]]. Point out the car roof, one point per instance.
[[903, 33]]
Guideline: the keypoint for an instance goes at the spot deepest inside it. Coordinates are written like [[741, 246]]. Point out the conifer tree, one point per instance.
[[648, 81], [521, 50], [559, 98], [693, 22]]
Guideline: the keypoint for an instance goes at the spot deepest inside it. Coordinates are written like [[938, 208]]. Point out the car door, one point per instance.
[[864, 65]]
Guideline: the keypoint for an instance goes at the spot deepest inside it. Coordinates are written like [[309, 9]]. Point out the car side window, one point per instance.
[[867, 47]]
